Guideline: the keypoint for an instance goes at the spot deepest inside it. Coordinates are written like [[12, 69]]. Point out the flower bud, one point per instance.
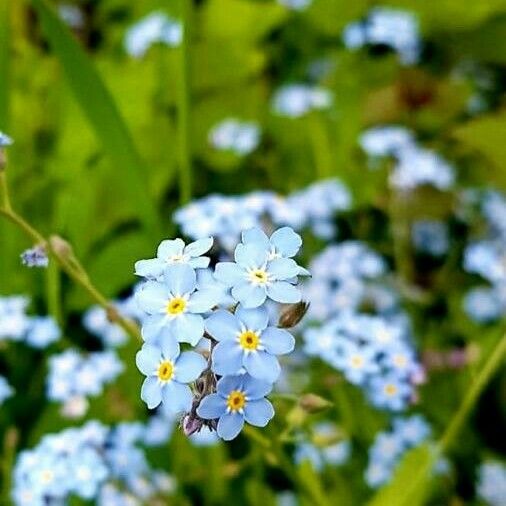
[[61, 247], [293, 314], [191, 425], [313, 403]]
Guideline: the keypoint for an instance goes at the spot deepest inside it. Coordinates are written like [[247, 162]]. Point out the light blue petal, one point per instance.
[[187, 328], [255, 388], [277, 341], [256, 235], [189, 366], [281, 291], [303, 272], [170, 347], [262, 365], [152, 297], [169, 248], [283, 268], [249, 295], [286, 242], [199, 262], [258, 413], [204, 300], [154, 328], [229, 273], [212, 406], [176, 397], [152, 268], [148, 358], [229, 425], [227, 358], [222, 325], [253, 319], [250, 255], [151, 392], [197, 248], [229, 383], [180, 279]]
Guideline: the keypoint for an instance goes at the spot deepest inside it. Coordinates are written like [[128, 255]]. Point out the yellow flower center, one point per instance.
[[236, 400], [165, 371], [259, 276], [390, 389], [176, 258], [357, 361], [400, 360], [176, 305], [249, 340]]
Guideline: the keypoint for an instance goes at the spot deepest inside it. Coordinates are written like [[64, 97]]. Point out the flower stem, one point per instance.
[[184, 124]]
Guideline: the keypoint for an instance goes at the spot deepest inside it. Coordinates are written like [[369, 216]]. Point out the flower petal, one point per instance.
[[180, 279], [151, 392], [229, 273], [262, 365], [258, 413], [204, 300], [148, 358], [251, 255], [152, 268], [197, 248], [169, 248], [199, 262], [222, 325], [229, 425], [286, 242], [229, 383], [281, 291], [255, 388], [283, 268], [154, 328], [170, 347], [187, 328], [152, 297], [253, 319], [176, 397], [227, 358], [277, 341], [211, 407], [256, 235], [189, 366], [249, 295]]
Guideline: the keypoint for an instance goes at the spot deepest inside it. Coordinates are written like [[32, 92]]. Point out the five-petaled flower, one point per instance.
[[172, 252], [167, 373], [175, 306], [258, 272], [238, 399], [245, 340]]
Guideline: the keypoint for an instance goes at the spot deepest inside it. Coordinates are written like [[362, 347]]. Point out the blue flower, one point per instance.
[[175, 306], [35, 257], [6, 390], [255, 275], [175, 252], [246, 341], [390, 392], [42, 332], [238, 399], [168, 373], [5, 140]]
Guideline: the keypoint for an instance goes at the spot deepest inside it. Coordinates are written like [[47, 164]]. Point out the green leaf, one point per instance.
[[101, 111], [411, 482]]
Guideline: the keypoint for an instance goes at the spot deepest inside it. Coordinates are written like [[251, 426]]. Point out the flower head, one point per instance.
[[238, 399]]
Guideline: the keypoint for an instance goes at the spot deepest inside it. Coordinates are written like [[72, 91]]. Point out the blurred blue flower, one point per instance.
[[430, 236], [6, 390], [245, 340], [296, 100], [240, 137], [238, 399], [35, 257], [43, 331], [491, 486], [168, 373], [5, 140]]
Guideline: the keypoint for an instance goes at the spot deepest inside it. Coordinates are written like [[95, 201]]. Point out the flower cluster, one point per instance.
[[73, 377], [17, 325], [92, 462], [371, 351], [296, 100], [387, 27], [239, 137], [388, 448], [492, 483], [415, 165], [225, 217], [183, 305], [155, 28], [35, 257]]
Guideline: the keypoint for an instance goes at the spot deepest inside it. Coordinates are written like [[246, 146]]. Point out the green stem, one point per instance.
[[401, 237], [9, 452], [184, 124], [53, 280]]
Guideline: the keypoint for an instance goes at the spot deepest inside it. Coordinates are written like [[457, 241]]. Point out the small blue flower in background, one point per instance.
[[5, 140], [390, 392], [492, 483], [168, 373], [238, 399], [254, 276], [175, 252], [240, 137], [430, 236], [42, 332], [35, 257], [6, 390], [296, 100], [175, 306], [245, 340]]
